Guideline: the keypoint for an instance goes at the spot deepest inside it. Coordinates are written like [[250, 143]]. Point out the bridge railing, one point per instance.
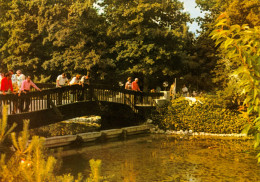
[[35, 100]]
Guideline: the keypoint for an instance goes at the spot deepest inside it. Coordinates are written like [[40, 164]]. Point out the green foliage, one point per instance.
[[3, 125], [21, 144], [95, 166], [64, 128], [240, 12], [49, 36], [30, 163], [240, 44], [129, 37], [209, 117], [147, 35]]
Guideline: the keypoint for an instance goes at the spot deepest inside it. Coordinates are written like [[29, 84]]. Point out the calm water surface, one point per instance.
[[163, 158]]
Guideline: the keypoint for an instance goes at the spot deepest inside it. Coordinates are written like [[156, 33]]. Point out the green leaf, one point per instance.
[[246, 129], [221, 22], [257, 140], [228, 42]]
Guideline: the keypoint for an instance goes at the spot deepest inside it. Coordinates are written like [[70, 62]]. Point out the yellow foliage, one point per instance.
[[3, 125], [208, 117]]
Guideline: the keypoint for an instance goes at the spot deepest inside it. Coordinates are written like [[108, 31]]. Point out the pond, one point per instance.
[[168, 158]]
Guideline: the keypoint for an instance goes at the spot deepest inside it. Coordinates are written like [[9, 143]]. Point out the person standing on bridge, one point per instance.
[[73, 95], [84, 81], [75, 80], [135, 85], [128, 84], [20, 78], [25, 88], [16, 90], [61, 80], [6, 84]]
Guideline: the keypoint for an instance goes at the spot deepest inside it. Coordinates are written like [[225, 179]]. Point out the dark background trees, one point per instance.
[[115, 39]]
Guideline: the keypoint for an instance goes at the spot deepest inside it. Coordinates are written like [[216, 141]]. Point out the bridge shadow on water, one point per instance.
[[117, 107]]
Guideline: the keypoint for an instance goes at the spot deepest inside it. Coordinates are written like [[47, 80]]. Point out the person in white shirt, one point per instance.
[[13, 77], [84, 80], [20, 78], [184, 91], [61, 80], [75, 80]]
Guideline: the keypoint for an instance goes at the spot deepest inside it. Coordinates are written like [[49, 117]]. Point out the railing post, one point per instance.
[[91, 92], [48, 102], [59, 99], [83, 97], [135, 97]]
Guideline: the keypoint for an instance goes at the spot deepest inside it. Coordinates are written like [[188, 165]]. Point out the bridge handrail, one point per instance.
[[74, 87], [43, 99]]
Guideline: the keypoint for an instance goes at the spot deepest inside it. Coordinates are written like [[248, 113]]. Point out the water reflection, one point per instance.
[[160, 158]]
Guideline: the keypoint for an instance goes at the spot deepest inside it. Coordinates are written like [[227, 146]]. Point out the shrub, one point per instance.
[[63, 128], [209, 116]]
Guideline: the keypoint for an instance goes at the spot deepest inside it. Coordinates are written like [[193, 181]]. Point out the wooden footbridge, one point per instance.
[[57, 104]]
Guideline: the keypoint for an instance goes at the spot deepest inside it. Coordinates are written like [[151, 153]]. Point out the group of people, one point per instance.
[[185, 92], [17, 84], [20, 84], [129, 85], [62, 80]]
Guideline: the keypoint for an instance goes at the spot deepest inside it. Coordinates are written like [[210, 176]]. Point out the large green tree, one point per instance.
[[48, 37], [148, 36], [79, 41]]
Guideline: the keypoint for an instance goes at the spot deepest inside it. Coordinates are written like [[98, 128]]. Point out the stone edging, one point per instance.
[[157, 130], [59, 141]]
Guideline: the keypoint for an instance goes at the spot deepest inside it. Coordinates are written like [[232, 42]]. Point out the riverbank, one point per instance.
[[97, 136], [123, 133]]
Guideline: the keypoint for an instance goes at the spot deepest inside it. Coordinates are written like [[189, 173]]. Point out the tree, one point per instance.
[[240, 45], [240, 12], [147, 36], [79, 41], [48, 37]]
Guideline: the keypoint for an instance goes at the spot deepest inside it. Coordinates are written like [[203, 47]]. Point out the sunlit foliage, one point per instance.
[[209, 116], [240, 46], [30, 162], [147, 35], [4, 131]]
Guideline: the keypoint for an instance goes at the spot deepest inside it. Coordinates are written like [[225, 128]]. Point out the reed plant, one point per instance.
[[29, 161]]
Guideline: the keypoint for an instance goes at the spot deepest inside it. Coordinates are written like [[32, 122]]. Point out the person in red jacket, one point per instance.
[[6, 84], [135, 85]]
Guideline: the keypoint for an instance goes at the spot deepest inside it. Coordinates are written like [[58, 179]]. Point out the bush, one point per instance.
[[63, 128], [31, 163], [209, 116]]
